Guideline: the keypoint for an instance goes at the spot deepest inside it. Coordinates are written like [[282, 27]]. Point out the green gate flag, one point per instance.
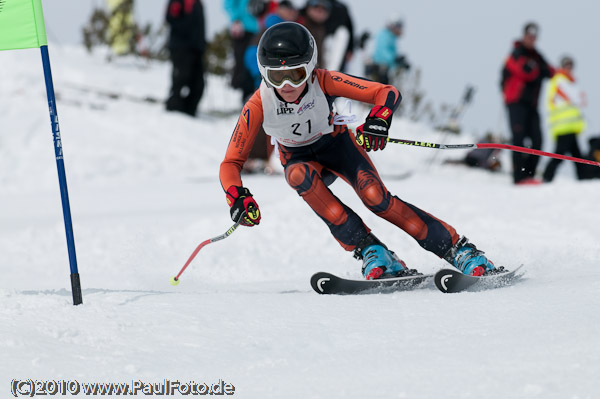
[[22, 24]]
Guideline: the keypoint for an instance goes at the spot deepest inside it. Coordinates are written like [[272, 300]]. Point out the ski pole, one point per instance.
[[175, 280], [359, 140]]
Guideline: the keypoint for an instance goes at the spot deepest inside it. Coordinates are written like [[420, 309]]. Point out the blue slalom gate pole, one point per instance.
[[62, 179]]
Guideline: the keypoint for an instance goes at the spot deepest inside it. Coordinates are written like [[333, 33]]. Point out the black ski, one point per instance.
[[327, 283], [452, 280]]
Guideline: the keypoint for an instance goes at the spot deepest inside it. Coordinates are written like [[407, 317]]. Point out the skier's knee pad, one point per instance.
[[300, 176], [372, 192]]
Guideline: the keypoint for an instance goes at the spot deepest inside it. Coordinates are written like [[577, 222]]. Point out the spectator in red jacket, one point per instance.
[[522, 76]]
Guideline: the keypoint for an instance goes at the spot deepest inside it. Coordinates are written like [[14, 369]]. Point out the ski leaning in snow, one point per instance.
[[327, 283], [452, 280]]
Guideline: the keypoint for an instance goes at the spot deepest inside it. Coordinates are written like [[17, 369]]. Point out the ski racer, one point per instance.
[[294, 105]]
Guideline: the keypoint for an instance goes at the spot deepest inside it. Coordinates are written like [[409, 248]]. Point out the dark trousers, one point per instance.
[[262, 148], [526, 132], [310, 169], [241, 78], [187, 80], [565, 144], [381, 74]]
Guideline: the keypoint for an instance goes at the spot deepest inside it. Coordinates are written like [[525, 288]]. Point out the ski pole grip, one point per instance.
[[240, 219], [360, 138]]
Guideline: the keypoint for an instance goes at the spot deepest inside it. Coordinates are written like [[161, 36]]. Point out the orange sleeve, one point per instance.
[[241, 142], [339, 84]]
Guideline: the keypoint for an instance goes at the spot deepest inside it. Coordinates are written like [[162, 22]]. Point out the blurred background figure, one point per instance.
[[259, 9], [522, 76], [121, 27], [314, 15], [487, 158], [564, 101], [592, 171], [187, 44], [284, 11], [386, 61], [243, 27], [339, 42]]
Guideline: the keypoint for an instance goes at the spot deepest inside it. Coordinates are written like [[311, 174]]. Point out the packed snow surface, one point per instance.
[[144, 192]]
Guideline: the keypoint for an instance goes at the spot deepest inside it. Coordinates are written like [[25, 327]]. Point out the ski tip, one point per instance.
[[318, 280], [452, 280], [444, 279]]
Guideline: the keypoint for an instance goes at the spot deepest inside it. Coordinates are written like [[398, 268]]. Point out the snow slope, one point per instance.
[[144, 192]]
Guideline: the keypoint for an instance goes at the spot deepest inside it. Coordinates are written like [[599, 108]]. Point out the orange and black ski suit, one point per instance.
[[309, 169]]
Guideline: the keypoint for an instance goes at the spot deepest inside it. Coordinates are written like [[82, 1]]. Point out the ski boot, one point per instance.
[[469, 260], [378, 261]]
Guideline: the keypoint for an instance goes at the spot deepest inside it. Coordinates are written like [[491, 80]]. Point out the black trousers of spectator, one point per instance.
[[526, 132], [187, 80], [379, 73], [565, 144]]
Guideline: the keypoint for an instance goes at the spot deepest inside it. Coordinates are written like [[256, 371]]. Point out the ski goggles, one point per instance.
[[294, 76]]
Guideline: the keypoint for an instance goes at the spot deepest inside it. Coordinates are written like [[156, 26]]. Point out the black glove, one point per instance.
[[240, 200], [402, 63], [373, 134]]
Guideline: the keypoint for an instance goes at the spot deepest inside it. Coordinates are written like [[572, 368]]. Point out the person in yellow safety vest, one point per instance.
[[121, 27], [563, 102]]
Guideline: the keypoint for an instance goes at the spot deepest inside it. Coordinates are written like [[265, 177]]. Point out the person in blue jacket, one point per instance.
[[385, 57], [242, 29], [250, 62]]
